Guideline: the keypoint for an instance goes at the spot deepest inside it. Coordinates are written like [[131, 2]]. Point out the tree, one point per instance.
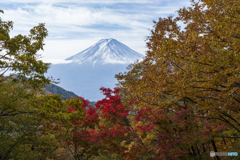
[[26, 114], [82, 143], [25, 117], [196, 68], [122, 135], [93, 137], [19, 54]]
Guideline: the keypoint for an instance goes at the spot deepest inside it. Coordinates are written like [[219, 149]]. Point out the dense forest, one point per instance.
[[181, 102]]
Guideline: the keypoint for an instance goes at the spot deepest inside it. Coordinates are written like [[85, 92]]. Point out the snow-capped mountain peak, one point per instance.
[[107, 51]]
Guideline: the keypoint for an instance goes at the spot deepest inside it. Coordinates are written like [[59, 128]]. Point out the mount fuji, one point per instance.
[[106, 51], [87, 71]]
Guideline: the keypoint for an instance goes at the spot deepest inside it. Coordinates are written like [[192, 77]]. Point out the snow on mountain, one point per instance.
[[93, 68], [106, 51]]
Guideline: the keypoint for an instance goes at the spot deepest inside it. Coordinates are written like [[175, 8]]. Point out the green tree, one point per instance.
[[27, 116], [19, 54]]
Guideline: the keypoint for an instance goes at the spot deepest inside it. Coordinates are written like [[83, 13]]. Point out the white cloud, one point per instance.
[[75, 1], [78, 16], [58, 61], [78, 24]]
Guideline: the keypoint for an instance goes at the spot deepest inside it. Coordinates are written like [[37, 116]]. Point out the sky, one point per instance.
[[75, 25]]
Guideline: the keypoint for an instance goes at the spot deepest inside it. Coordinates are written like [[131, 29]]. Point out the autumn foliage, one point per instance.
[[192, 77], [153, 133], [181, 102]]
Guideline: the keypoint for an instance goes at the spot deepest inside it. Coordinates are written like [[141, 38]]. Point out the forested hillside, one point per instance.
[[54, 89]]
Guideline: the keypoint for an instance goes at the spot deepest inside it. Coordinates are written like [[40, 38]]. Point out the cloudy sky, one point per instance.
[[78, 24]]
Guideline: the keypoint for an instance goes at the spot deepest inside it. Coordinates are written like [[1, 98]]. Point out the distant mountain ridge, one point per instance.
[[54, 89]]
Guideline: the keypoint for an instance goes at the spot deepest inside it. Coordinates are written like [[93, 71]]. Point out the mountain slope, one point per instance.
[[52, 88], [94, 67], [107, 51]]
